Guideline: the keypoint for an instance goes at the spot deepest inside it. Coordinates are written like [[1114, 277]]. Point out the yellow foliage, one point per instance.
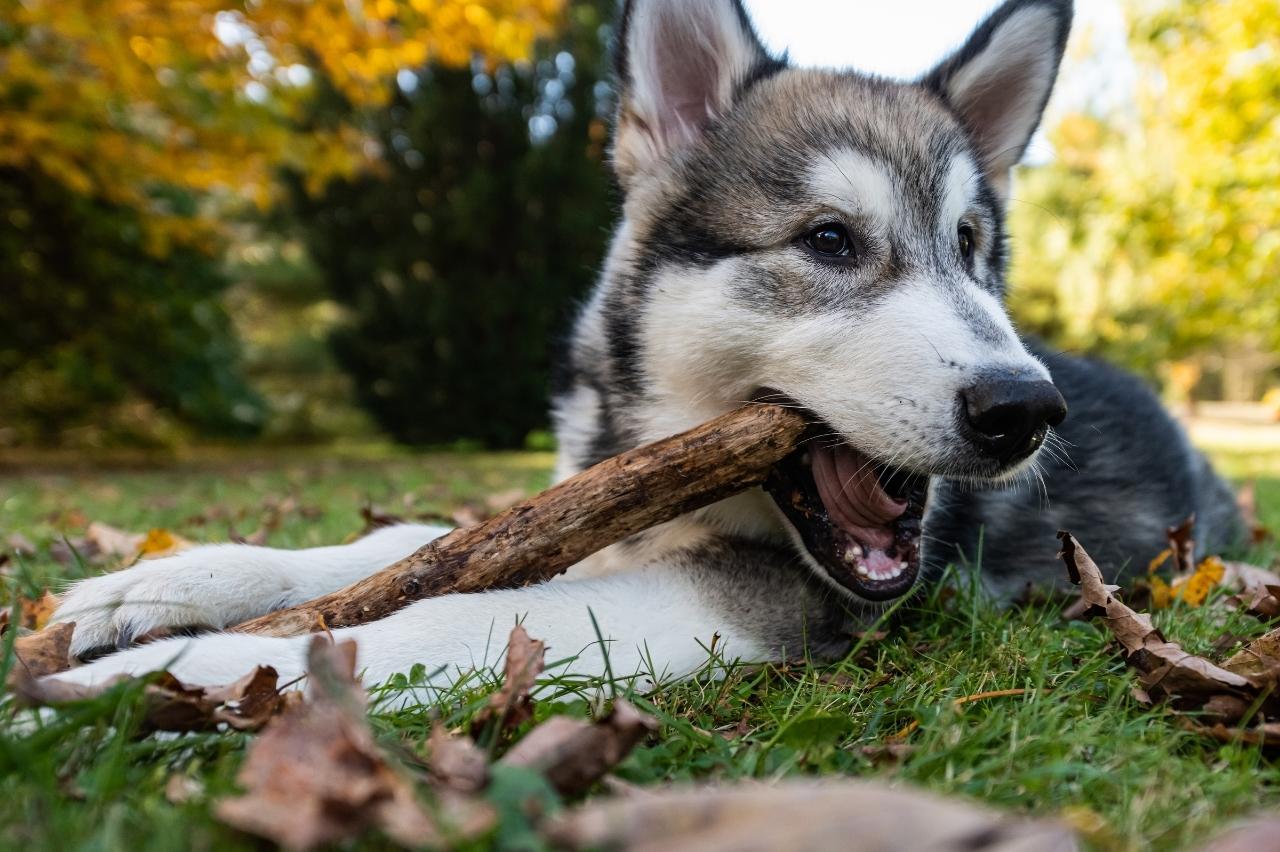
[[114, 98], [1192, 589], [1153, 233]]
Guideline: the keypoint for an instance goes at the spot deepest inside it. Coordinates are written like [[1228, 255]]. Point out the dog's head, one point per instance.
[[835, 241]]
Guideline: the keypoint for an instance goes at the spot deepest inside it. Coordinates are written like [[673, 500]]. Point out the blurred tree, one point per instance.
[[459, 265], [98, 332], [1153, 236], [115, 98], [133, 131]]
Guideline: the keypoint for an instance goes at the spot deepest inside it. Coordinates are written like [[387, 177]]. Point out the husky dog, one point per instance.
[[825, 239]]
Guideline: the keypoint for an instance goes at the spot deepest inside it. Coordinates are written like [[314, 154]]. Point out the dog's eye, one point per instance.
[[830, 240], [964, 235]]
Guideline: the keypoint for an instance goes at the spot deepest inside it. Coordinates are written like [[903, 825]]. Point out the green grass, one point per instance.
[[1075, 745]]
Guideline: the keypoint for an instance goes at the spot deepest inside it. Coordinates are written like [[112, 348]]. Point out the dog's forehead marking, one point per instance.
[[854, 182], [959, 188]]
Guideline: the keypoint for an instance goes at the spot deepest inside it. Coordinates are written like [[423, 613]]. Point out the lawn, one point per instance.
[[1074, 745]]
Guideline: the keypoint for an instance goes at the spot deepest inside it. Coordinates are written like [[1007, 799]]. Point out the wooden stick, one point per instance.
[[543, 536]]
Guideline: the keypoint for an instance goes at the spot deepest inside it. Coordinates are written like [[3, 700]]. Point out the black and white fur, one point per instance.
[[726, 156]]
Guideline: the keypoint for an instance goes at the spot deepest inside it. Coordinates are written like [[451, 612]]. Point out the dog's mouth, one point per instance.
[[857, 517]]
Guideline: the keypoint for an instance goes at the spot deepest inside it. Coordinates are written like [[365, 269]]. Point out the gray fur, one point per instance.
[[1123, 470]]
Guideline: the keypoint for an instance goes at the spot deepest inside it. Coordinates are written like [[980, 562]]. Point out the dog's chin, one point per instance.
[[857, 520]]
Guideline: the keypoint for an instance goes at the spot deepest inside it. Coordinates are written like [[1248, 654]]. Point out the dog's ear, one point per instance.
[[680, 65], [999, 81]]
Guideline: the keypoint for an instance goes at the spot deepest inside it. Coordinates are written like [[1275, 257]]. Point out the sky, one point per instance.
[[904, 38]]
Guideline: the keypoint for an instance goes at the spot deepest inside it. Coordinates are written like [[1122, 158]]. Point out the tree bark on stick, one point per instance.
[[543, 536]]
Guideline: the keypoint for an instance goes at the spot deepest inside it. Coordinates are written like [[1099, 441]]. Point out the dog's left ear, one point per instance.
[[999, 81], [681, 65]]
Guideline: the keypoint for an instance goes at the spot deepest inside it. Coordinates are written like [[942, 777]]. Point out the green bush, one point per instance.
[[102, 340], [460, 265]]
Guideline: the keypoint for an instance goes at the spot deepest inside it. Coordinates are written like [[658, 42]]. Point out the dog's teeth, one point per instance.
[[902, 566], [862, 571], [855, 549], [849, 556]]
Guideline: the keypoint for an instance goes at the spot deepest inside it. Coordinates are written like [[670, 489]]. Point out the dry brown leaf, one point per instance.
[[316, 775], [1259, 661], [20, 544], [36, 612], [1264, 734], [111, 542], [457, 763], [44, 653], [1260, 602], [1259, 834], [468, 515], [573, 754], [1183, 546], [887, 754], [798, 816], [1241, 576], [504, 500], [1168, 670], [375, 519], [1247, 502], [170, 705], [1194, 581], [512, 705], [245, 705]]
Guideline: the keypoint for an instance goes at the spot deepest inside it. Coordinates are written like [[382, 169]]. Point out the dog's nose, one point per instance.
[[1008, 413]]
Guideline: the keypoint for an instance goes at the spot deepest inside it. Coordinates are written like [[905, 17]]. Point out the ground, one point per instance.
[[1074, 745]]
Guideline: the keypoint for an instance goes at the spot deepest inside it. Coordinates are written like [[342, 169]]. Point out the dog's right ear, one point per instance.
[[999, 81], [680, 65]]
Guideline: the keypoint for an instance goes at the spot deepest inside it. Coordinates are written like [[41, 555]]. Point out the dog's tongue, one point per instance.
[[856, 503]]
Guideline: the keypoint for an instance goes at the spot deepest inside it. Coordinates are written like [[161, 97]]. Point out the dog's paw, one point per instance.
[[206, 587]]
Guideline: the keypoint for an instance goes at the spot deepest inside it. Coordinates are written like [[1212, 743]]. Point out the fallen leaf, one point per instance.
[[36, 612], [169, 704], [44, 653], [1193, 581], [244, 705], [503, 500], [1227, 691], [161, 542], [573, 754], [1247, 502], [512, 705], [111, 542], [316, 776], [1261, 602], [456, 761], [20, 544], [1242, 576], [1265, 734], [65, 551], [1194, 589], [180, 789], [468, 515], [375, 519], [258, 537], [1257, 834], [800, 815], [887, 754]]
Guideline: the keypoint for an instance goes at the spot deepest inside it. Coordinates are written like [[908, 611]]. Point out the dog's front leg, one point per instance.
[[219, 585], [644, 626]]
